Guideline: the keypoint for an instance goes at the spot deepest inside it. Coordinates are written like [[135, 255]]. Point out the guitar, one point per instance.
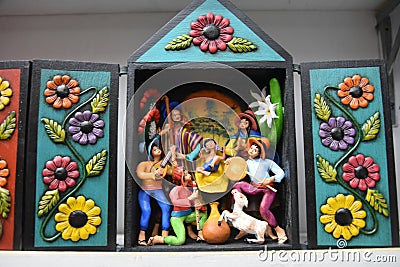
[[160, 166]]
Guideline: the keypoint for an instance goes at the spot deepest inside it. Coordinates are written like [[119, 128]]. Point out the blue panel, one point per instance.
[[157, 53], [319, 79], [96, 187]]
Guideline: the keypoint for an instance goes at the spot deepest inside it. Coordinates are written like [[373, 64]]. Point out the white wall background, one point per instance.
[[112, 38]]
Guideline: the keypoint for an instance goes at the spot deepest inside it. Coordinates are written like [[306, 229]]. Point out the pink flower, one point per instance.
[[60, 173], [361, 172], [211, 32]]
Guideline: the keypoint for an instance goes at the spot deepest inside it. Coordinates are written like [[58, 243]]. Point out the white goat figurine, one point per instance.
[[243, 221]]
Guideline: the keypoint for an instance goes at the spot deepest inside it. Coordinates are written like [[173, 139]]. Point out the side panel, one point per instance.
[[351, 199], [13, 106], [72, 156]]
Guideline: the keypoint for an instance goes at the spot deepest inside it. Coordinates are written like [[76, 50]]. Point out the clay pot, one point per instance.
[[212, 232]]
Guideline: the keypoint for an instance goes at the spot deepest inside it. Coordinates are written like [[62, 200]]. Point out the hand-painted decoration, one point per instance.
[[13, 91], [359, 172], [73, 134], [212, 33], [62, 174], [352, 157], [228, 135]]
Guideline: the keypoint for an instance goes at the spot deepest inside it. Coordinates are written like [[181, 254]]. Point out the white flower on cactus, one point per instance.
[[267, 111], [259, 97]]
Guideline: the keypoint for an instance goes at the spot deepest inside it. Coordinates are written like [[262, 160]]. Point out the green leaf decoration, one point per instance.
[[54, 130], [7, 127], [371, 127], [326, 170], [100, 102], [179, 43], [240, 45], [5, 202], [48, 201], [377, 201], [96, 164], [322, 109]]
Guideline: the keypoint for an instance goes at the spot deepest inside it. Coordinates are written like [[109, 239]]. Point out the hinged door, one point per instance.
[[350, 171], [14, 84], [71, 158]]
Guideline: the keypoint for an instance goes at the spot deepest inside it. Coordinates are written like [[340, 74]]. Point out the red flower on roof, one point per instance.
[[211, 32]]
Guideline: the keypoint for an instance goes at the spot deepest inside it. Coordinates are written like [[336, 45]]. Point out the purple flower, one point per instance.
[[337, 133], [86, 127]]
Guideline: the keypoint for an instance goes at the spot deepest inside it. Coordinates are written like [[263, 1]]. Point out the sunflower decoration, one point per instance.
[[78, 218], [62, 92], [356, 92], [343, 216], [5, 93]]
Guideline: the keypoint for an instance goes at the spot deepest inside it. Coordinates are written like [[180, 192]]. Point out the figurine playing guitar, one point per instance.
[[151, 173]]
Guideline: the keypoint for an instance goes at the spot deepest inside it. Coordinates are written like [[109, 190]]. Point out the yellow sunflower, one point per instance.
[[343, 216], [78, 218], [5, 93]]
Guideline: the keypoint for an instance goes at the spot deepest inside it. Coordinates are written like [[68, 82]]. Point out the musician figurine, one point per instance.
[[211, 158], [259, 169], [183, 199], [151, 173], [247, 128]]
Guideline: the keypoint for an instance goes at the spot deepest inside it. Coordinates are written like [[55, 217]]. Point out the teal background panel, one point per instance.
[[319, 79], [157, 52], [95, 187]]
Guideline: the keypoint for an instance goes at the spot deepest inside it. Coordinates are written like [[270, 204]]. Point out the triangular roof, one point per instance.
[[154, 49]]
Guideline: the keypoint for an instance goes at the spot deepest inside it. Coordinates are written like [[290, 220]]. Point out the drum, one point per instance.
[[236, 169]]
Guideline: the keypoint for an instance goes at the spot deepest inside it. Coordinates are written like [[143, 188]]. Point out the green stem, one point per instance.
[[51, 213], [348, 114], [81, 105], [82, 163], [360, 136]]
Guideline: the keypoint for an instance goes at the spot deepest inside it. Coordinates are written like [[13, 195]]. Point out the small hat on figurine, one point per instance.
[[248, 114], [262, 143], [154, 142]]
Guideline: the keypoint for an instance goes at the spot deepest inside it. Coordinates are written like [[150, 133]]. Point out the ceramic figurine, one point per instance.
[[210, 176], [187, 144], [243, 221], [211, 158], [261, 182], [151, 174], [183, 199], [247, 127]]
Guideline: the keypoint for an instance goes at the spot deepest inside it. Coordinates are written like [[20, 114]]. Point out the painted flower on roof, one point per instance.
[[343, 216], [86, 127], [62, 91], [60, 173], [78, 218], [361, 172], [356, 92], [5, 93], [212, 33], [337, 133]]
